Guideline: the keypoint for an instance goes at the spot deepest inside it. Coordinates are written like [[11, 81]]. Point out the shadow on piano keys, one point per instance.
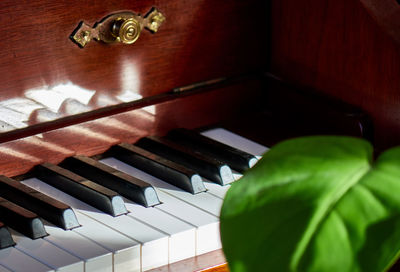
[[184, 225]]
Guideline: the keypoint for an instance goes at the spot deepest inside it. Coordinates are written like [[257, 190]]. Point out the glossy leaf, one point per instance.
[[315, 204]]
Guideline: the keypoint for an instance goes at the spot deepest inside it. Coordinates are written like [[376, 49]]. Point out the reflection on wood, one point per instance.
[[200, 41], [387, 14], [337, 48], [210, 262], [96, 136]]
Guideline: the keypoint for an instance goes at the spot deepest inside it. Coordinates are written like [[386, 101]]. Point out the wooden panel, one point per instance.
[[200, 40], [387, 15], [191, 110], [210, 262], [335, 47], [261, 109], [290, 112]]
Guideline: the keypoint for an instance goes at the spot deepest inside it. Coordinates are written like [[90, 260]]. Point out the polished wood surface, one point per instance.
[[337, 48], [200, 107], [387, 15], [250, 106], [210, 262], [289, 112], [200, 40], [332, 47], [217, 268]]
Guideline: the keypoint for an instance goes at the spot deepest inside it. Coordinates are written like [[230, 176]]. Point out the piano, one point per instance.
[[116, 117]]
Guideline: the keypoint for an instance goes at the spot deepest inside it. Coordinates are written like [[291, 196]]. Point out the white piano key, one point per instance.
[[126, 252], [174, 200], [236, 141], [216, 189], [3, 269], [182, 236], [204, 201], [17, 261], [154, 243], [207, 225], [237, 176], [111, 245], [95, 257], [48, 254]]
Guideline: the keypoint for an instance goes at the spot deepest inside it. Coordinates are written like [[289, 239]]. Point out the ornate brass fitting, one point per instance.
[[123, 27]]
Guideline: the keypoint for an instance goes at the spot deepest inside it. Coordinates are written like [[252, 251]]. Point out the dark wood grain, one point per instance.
[[333, 47], [211, 262], [250, 107], [200, 40], [289, 112], [336, 47], [387, 15], [200, 108]]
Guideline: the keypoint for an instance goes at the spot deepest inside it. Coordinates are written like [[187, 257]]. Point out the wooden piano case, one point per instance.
[[200, 42], [231, 63]]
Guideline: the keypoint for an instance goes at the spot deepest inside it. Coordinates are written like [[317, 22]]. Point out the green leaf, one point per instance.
[[315, 204]]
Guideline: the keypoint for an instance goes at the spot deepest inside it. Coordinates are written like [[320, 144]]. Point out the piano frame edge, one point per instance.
[[206, 105], [213, 261], [239, 104]]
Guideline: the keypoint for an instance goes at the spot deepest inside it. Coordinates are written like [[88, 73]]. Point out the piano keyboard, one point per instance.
[[183, 225]]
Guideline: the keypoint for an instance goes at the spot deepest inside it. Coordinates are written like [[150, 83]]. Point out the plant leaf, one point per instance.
[[315, 204]]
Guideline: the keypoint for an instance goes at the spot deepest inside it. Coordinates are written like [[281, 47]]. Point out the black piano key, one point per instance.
[[46, 207], [22, 220], [85, 190], [126, 185], [6, 239], [164, 169], [207, 167], [235, 158]]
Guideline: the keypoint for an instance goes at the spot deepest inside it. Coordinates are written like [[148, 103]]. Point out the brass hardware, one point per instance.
[[123, 27], [155, 19]]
